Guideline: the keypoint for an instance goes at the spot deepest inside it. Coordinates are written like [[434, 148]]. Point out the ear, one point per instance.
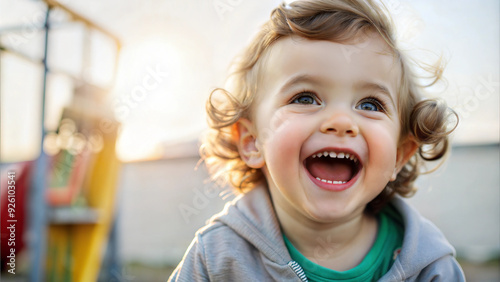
[[243, 134], [406, 150]]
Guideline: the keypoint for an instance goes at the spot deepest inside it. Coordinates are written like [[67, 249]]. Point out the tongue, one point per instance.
[[331, 169]]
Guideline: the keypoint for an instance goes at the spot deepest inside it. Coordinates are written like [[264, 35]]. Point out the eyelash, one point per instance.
[[305, 93], [380, 104]]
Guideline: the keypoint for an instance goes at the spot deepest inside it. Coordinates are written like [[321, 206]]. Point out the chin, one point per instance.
[[329, 213]]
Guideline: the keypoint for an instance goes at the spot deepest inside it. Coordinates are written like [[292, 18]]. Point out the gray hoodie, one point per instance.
[[244, 243]]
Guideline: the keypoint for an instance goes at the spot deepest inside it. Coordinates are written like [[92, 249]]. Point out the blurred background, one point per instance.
[[102, 108]]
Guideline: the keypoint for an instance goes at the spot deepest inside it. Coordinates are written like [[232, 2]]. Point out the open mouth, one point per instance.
[[333, 167]]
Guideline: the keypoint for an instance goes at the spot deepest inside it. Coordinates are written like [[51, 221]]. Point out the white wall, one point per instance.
[[462, 198]]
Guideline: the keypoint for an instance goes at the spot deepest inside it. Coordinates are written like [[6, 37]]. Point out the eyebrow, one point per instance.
[[300, 78]]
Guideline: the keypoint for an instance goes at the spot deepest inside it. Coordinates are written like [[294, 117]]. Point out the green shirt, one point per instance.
[[376, 263]]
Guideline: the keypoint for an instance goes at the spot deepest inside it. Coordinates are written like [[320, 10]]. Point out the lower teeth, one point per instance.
[[331, 181]]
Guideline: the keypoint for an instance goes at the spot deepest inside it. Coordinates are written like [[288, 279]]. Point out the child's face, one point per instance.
[[321, 97]]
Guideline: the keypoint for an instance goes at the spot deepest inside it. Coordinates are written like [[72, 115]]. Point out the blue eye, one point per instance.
[[305, 98], [370, 104]]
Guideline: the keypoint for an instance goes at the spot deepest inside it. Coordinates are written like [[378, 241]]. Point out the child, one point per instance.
[[323, 130]]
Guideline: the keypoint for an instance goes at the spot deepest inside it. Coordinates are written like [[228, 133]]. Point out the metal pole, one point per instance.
[[38, 205]]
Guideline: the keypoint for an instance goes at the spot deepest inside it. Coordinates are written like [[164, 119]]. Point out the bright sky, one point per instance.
[[175, 52]]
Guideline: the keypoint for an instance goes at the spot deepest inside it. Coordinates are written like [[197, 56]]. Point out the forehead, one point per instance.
[[367, 59]]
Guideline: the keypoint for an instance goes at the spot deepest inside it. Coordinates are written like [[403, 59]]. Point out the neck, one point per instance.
[[339, 245]]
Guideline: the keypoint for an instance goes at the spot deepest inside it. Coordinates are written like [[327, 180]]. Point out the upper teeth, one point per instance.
[[340, 155]]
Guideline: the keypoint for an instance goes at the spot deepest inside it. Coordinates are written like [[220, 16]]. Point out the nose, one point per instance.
[[340, 124]]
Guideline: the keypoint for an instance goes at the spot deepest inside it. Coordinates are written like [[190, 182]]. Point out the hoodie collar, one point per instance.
[[252, 216], [423, 242]]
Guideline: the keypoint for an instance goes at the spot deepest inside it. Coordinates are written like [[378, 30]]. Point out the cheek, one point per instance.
[[280, 129], [382, 148], [281, 139]]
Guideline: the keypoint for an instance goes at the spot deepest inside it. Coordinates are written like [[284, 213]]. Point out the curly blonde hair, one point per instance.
[[428, 121]]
